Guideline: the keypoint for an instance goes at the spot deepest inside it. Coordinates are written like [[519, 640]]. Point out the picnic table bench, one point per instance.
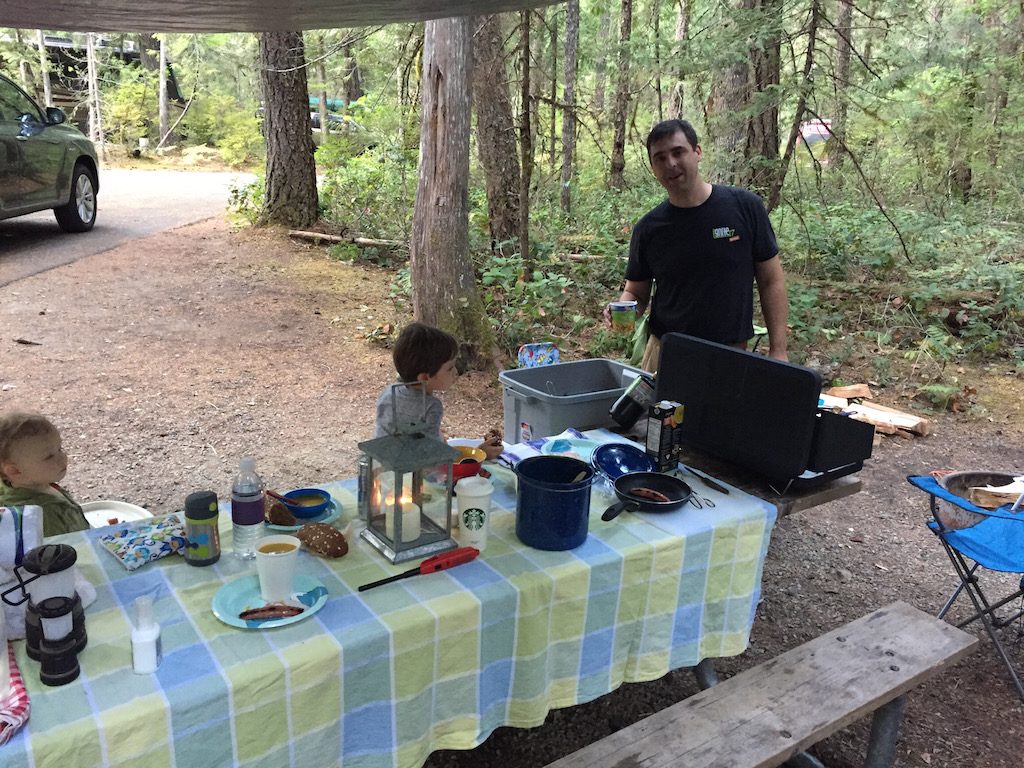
[[768, 714]]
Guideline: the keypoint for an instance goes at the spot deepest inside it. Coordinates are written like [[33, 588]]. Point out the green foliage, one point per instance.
[[372, 193], [246, 199], [129, 101]]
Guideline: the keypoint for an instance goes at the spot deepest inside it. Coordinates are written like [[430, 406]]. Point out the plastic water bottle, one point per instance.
[[246, 509]]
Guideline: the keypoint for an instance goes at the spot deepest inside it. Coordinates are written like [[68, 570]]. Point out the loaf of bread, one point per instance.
[[322, 539]]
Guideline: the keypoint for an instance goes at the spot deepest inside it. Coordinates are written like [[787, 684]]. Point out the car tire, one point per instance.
[[79, 213]]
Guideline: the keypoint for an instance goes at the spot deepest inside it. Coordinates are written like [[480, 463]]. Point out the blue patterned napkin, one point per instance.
[[137, 543]]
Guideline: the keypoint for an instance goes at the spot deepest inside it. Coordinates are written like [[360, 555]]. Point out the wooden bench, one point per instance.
[[768, 714]]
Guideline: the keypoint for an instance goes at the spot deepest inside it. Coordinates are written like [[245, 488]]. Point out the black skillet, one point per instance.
[[648, 492]]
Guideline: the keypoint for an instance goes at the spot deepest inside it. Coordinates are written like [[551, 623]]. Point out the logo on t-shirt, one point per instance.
[[720, 233]]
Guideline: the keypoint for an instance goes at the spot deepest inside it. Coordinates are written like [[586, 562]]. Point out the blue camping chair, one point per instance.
[[994, 542]]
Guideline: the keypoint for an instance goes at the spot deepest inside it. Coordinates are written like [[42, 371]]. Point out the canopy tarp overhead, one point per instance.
[[236, 15]]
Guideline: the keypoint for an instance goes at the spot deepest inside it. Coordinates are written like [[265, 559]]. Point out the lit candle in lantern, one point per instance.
[[410, 518]]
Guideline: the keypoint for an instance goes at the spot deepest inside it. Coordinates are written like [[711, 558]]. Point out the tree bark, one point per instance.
[[44, 69], [162, 105], [444, 288], [291, 195], [616, 177], [601, 58], [553, 30], [762, 149], [656, 31], [321, 76], [95, 115], [495, 131], [805, 87], [525, 139], [572, 36], [836, 142], [353, 76], [730, 97], [682, 33]]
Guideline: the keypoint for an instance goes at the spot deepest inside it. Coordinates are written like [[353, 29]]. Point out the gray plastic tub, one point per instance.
[[544, 401]]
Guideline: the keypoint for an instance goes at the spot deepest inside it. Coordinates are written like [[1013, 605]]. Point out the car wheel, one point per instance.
[[79, 214]]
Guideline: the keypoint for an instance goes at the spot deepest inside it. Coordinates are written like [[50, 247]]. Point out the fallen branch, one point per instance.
[[363, 241]]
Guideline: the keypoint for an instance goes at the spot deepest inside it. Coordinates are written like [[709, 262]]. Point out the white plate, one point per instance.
[[104, 513]]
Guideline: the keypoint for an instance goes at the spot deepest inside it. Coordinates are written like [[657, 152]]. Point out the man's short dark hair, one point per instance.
[[422, 348], [669, 128]]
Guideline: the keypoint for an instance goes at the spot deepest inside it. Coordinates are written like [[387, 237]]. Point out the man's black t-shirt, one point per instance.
[[702, 261]]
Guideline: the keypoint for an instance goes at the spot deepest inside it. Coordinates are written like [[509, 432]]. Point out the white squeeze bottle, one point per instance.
[[147, 652], [247, 512]]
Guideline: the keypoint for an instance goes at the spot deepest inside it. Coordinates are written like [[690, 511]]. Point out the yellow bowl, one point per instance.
[[470, 453], [468, 464]]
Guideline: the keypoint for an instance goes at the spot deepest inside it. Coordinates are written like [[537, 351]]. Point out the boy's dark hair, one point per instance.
[[668, 128], [422, 348]]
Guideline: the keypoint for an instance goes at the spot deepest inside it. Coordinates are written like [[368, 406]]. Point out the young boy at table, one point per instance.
[[32, 462], [424, 359]]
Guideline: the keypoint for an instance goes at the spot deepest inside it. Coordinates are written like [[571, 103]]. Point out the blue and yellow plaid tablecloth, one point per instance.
[[381, 679]]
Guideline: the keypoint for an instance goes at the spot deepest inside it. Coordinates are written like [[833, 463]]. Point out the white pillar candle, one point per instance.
[[410, 520]]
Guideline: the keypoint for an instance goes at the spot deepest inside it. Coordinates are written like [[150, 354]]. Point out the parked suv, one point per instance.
[[44, 163]]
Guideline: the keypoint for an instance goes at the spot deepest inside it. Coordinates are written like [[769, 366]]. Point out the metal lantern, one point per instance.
[[408, 497]]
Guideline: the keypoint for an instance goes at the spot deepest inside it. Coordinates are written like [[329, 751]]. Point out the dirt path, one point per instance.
[[168, 358]]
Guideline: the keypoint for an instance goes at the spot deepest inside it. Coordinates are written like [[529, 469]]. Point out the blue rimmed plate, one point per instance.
[[244, 593], [616, 459], [329, 515]]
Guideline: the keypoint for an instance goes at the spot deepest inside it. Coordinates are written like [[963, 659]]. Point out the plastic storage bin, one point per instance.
[[539, 402]]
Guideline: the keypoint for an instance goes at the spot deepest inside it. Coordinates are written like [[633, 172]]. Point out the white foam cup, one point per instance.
[[276, 557]]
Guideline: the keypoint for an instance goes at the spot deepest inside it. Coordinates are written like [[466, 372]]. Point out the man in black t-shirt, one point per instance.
[[703, 247]]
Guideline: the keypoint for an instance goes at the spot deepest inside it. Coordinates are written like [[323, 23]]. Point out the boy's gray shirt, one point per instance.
[[411, 405]]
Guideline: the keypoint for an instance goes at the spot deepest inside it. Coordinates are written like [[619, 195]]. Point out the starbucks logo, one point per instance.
[[474, 518]]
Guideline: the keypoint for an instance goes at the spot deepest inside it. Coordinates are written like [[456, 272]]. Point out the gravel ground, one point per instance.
[[166, 359]]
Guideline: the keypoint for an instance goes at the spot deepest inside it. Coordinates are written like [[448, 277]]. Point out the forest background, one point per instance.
[[885, 139]]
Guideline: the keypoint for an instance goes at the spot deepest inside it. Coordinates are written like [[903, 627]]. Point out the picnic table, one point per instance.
[[380, 679]]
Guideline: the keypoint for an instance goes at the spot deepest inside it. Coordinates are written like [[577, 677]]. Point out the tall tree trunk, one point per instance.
[[95, 114], [554, 90], [321, 76], [444, 288], [162, 104], [525, 139], [616, 177], [656, 30], [604, 31], [679, 54], [844, 48], [762, 150], [291, 196], [730, 97], [572, 36], [805, 87], [495, 131], [353, 76], [44, 69]]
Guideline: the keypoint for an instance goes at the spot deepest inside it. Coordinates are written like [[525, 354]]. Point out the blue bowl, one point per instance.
[[613, 460], [307, 502]]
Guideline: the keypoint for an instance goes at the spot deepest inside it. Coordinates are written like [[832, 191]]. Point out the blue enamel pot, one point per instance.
[[553, 502]]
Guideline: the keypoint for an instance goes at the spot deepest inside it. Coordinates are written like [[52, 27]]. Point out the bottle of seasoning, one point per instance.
[[634, 402], [147, 652]]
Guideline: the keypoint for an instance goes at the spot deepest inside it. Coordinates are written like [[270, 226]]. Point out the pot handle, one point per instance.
[[616, 509]]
